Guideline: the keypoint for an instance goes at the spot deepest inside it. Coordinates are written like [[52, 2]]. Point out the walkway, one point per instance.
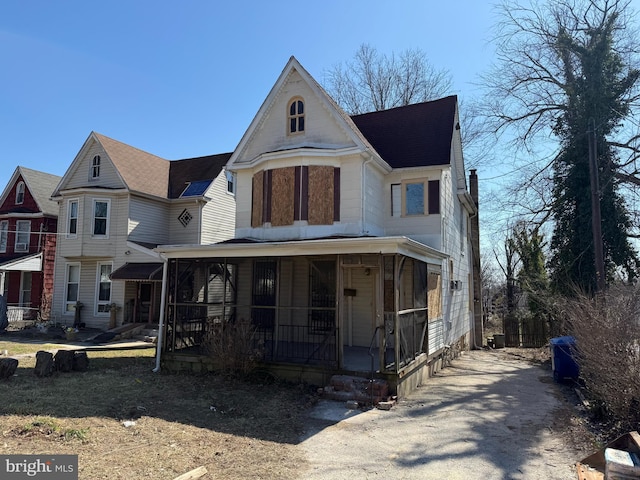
[[486, 417]]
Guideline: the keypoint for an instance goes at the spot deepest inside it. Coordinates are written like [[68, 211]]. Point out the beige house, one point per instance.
[[352, 250], [116, 204]]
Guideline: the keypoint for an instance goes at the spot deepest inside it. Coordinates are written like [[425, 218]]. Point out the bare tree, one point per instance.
[[373, 81], [561, 66]]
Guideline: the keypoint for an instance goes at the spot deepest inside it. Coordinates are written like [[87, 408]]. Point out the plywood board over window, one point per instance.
[[257, 199], [321, 195], [283, 185], [434, 295]]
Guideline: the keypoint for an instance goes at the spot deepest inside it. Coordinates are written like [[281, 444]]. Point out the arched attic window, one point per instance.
[[296, 116], [20, 193]]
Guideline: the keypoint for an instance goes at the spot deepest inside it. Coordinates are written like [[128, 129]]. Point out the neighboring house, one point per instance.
[[353, 242], [116, 204], [28, 225]]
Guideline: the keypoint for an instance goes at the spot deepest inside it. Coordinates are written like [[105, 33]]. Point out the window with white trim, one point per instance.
[[231, 182], [72, 218], [103, 287], [415, 197], [23, 233], [296, 116], [25, 289], [72, 287], [95, 167], [101, 218], [4, 235], [20, 193]]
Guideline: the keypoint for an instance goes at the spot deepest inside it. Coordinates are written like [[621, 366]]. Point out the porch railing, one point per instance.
[[410, 338], [17, 314], [298, 344]]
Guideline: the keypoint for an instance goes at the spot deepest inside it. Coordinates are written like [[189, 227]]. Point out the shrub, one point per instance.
[[232, 345], [607, 333]]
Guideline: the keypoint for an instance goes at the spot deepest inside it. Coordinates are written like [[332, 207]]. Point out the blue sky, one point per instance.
[[184, 79]]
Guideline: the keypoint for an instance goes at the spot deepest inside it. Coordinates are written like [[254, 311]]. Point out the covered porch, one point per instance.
[[367, 306]]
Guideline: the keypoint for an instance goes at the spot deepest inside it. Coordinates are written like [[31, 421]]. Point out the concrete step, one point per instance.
[[361, 390]]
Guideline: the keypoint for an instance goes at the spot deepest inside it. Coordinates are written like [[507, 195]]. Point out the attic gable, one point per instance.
[[326, 126], [38, 185], [121, 166]]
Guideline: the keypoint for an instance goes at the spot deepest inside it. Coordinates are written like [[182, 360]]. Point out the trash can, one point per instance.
[[498, 340], [563, 362]]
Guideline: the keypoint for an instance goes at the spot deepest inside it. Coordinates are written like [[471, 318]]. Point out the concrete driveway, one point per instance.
[[488, 416]]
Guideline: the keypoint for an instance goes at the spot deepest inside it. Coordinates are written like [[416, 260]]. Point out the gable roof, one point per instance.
[[338, 113], [140, 171], [181, 172], [414, 135], [39, 184], [143, 172]]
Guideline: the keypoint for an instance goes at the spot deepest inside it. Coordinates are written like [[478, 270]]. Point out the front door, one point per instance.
[[360, 306], [144, 302]]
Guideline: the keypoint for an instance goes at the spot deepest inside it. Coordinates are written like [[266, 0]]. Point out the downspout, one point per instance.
[[163, 295]]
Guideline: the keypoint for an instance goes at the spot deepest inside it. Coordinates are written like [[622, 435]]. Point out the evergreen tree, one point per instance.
[[597, 87]]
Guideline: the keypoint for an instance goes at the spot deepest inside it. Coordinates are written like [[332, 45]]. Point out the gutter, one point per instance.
[[163, 296]]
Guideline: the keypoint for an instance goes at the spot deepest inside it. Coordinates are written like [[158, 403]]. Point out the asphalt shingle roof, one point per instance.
[[41, 185], [414, 135]]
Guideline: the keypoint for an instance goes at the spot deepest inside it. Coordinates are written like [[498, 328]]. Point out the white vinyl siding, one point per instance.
[[148, 221], [184, 234], [218, 215], [272, 135], [436, 335], [109, 177]]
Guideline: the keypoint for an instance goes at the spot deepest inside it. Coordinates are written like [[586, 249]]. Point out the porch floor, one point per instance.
[[357, 359]]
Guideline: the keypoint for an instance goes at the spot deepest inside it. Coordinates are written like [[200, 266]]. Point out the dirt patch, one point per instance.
[[124, 421]]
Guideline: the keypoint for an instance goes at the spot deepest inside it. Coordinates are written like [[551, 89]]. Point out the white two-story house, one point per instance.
[[117, 203], [352, 246]]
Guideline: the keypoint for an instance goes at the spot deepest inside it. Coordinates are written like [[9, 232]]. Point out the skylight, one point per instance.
[[196, 189]]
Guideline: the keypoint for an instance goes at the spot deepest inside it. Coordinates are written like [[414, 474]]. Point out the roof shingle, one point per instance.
[[411, 136]]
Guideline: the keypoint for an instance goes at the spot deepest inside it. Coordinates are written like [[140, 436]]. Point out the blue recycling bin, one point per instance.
[[563, 362]]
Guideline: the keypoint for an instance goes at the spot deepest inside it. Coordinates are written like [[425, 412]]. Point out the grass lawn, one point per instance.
[[236, 429]]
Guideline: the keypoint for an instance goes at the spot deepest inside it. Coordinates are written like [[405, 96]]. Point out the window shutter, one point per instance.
[[257, 199], [434, 196], [336, 194]]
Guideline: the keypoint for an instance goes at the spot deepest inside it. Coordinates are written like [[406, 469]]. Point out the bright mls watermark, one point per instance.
[[50, 467]]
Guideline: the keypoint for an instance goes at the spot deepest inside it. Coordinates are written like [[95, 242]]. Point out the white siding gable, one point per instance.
[[322, 129], [81, 173]]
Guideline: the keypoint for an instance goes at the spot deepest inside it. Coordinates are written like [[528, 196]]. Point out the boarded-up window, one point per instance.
[[320, 195], [282, 196], [434, 295], [282, 184]]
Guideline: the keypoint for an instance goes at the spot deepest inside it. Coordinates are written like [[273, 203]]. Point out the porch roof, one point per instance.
[[243, 248], [138, 271], [23, 263]]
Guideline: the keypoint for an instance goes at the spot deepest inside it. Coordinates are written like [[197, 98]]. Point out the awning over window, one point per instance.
[[27, 263], [138, 272]]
